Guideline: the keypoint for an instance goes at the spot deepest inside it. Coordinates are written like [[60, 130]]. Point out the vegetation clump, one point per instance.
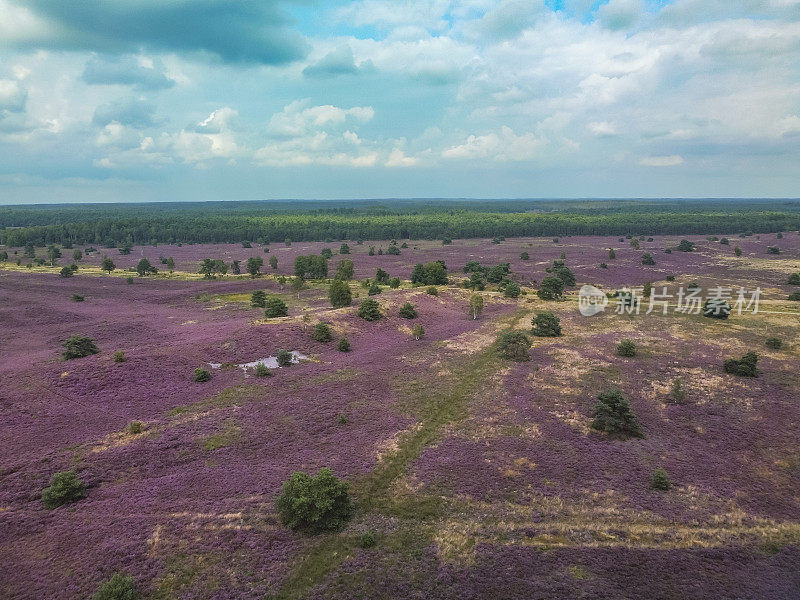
[[258, 299], [343, 345], [314, 504], [717, 308], [118, 587], [78, 346], [369, 310], [202, 375], [275, 307], [65, 488], [744, 367], [340, 294], [418, 331], [514, 345], [546, 324], [118, 356], [284, 358], [322, 333], [613, 415], [263, 370], [407, 311], [626, 348], [774, 343], [551, 288], [659, 480]]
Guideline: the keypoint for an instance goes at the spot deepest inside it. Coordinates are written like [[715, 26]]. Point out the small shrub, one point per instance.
[[794, 279], [546, 324], [514, 345], [314, 504], [78, 346], [369, 310], [284, 358], [65, 487], [603, 266], [202, 375], [367, 540], [512, 290], [374, 289], [129, 280], [773, 250], [737, 251], [794, 297], [322, 333], [119, 587], [551, 288], [263, 370], [774, 343], [275, 307], [524, 256], [77, 298], [135, 427], [341, 419], [677, 394], [118, 356], [66, 272], [670, 277], [626, 348], [432, 291], [407, 311], [724, 241], [258, 299], [344, 345], [613, 415], [744, 367], [418, 331], [647, 259], [394, 283], [659, 480], [686, 246]]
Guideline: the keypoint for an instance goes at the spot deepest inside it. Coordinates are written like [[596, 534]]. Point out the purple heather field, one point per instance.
[[479, 477]]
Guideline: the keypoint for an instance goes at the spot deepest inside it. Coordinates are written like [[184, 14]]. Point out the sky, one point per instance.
[[140, 100]]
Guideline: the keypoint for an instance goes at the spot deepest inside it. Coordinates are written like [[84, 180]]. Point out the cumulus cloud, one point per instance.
[[338, 62], [661, 161], [299, 117], [12, 96], [504, 147], [138, 71], [232, 30], [126, 111]]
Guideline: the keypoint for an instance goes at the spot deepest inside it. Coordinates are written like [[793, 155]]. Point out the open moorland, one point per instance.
[[472, 475]]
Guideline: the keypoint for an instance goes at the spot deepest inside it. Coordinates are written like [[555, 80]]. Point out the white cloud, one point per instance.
[[12, 96], [661, 161], [504, 147], [299, 117], [397, 158]]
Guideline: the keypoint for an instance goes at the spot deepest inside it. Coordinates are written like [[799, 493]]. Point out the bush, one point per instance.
[[119, 587], [258, 299], [546, 324], [341, 419], [724, 241], [284, 358], [77, 298], [344, 345], [394, 283], [78, 346], [66, 272], [340, 294], [626, 348], [432, 291], [677, 394], [374, 289], [367, 540], [433, 273], [551, 288], [512, 290], [263, 370], [686, 246], [737, 251], [514, 345], [369, 310], [603, 266], [344, 248], [314, 504], [744, 367], [135, 427], [773, 250], [647, 259], [118, 356], [407, 311], [418, 331], [65, 487], [322, 333], [794, 297], [275, 307], [659, 480], [613, 415], [202, 375], [524, 256], [794, 279], [774, 343]]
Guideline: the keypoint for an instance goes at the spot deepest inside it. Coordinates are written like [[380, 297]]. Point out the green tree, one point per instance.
[[514, 345], [546, 324], [418, 331], [433, 273], [369, 310], [284, 358], [512, 290], [77, 255], [53, 254], [374, 289], [626, 348], [613, 415], [65, 488], [659, 480], [344, 248], [717, 308], [344, 269], [171, 264], [78, 346], [394, 283], [794, 279], [273, 262], [551, 288], [344, 345], [119, 587], [524, 256], [314, 504], [66, 272], [407, 311], [201, 375], [686, 246], [476, 306], [275, 307], [611, 254], [322, 333], [647, 259], [339, 294], [107, 265], [258, 298], [326, 253], [254, 264], [737, 251], [144, 267]]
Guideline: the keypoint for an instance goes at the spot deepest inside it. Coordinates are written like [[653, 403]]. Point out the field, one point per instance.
[[479, 477]]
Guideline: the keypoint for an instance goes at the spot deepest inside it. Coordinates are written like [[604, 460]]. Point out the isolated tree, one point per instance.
[[254, 264], [374, 289], [236, 268], [312, 266], [611, 254], [78, 346], [297, 284], [65, 488], [524, 256], [369, 310], [144, 267], [476, 281], [66, 272], [275, 307], [77, 255], [393, 250], [382, 277], [546, 324], [613, 415], [794, 279], [744, 367], [773, 250], [551, 288], [339, 294], [258, 298], [344, 269], [171, 264], [626, 348], [107, 265], [207, 268], [314, 504], [476, 306], [564, 273], [201, 375], [659, 480], [737, 251], [53, 254], [418, 331], [407, 311], [284, 358], [344, 248], [514, 345], [647, 259], [686, 246], [326, 253], [273, 262], [343, 345], [512, 290], [322, 333]]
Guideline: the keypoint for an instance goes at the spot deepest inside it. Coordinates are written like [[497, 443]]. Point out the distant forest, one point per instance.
[[112, 225]]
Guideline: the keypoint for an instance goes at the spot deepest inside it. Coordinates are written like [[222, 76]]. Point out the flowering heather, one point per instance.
[[476, 477]]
